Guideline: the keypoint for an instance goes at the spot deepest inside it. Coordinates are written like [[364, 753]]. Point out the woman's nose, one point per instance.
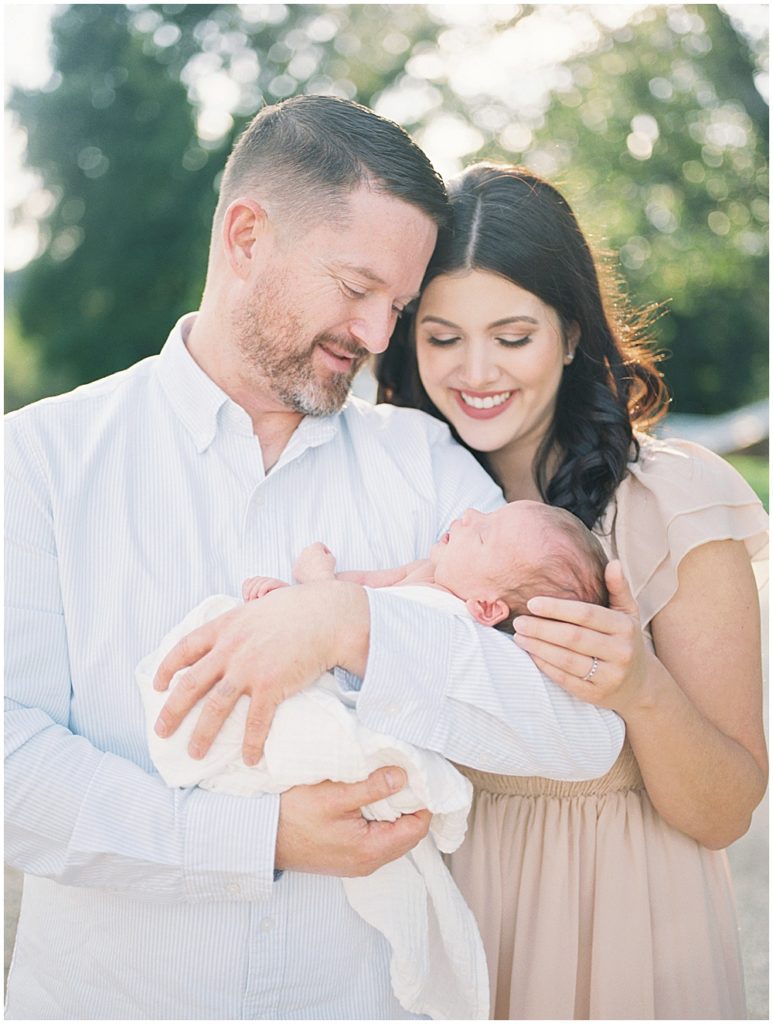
[[479, 370]]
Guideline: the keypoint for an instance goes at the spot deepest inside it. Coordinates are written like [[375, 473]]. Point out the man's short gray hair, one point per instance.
[[305, 155]]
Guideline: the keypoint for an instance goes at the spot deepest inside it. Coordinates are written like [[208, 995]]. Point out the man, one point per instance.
[[133, 498]]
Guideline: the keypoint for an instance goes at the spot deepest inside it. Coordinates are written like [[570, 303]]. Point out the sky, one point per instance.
[[26, 64]]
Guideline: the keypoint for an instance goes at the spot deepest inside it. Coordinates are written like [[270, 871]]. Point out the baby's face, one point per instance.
[[481, 549]]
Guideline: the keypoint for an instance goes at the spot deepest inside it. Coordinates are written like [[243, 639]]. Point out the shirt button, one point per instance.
[[266, 925], [234, 888]]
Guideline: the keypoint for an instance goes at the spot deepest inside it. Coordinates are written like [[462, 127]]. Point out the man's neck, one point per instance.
[[272, 424]]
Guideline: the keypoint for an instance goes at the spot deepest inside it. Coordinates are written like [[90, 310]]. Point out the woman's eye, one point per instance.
[[433, 339], [514, 342]]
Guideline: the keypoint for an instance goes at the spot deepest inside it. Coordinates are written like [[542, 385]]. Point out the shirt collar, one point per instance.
[[194, 396], [203, 407]]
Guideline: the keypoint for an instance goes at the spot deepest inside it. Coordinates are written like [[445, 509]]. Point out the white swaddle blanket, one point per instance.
[[437, 966]]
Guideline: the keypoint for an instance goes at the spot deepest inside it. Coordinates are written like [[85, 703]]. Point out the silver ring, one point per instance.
[[591, 671]]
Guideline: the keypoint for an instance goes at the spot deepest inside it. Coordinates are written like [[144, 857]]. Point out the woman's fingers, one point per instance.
[[588, 616], [566, 635], [572, 662], [594, 653], [588, 691]]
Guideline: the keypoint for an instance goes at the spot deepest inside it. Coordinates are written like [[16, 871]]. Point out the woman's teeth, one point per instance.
[[485, 403]]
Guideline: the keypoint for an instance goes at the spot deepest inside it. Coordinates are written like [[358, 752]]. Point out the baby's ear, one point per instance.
[[487, 613]]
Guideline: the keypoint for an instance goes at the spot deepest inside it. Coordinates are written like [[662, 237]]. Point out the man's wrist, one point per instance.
[[332, 604], [352, 644]]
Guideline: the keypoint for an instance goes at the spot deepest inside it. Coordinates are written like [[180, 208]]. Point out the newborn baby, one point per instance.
[[495, 562], [492, 564]]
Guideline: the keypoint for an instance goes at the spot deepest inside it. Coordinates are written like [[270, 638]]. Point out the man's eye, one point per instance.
[[353, 293]]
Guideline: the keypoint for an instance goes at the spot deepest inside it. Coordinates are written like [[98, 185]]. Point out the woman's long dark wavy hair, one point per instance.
[[510, 222]]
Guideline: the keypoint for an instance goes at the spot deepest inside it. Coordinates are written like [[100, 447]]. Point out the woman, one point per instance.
[[610, 898]]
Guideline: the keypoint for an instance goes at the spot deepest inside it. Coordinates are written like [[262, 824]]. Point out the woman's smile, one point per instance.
[[483, 405]]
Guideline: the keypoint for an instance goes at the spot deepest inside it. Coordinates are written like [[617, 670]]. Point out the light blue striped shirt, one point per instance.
[[128, 501]]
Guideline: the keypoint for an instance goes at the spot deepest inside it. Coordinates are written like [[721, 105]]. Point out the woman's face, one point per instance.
[[490, 357]]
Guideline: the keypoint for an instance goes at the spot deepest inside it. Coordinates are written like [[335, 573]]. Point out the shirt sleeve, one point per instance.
[[444, 682], [84, 816]]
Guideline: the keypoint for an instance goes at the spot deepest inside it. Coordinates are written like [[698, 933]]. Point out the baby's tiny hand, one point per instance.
[[258, 586], [315, 563]]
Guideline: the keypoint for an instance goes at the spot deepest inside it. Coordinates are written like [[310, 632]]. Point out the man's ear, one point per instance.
[[244, 224], [487, 613]]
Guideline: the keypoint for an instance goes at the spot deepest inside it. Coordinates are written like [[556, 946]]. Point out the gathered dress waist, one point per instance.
[[624, 775]]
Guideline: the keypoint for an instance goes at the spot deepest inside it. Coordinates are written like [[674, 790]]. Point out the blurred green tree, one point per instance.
[[670, 167], [654, 128], [123, 253]]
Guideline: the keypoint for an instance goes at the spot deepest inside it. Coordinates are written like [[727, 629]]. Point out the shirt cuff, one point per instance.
[[229, 846], [405, 685]]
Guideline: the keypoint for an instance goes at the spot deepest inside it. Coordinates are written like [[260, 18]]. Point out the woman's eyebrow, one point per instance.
[[494, 323], [439, 320], [513, 320]]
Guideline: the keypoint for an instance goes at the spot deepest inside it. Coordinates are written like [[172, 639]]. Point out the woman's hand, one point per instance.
[[267, 650], [595, 653]]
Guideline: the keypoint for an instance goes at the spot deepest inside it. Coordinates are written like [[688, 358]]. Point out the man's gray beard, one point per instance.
[[290, 376], [296, 386]]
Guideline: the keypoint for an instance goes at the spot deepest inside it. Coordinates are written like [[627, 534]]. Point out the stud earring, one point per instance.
[[569, 357]]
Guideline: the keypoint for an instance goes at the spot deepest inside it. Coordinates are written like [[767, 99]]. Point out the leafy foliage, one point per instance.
[[654, 128]]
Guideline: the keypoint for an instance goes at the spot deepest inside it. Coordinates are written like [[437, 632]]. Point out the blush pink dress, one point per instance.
[[590, 906]]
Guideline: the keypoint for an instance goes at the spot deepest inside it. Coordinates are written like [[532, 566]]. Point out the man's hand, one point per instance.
[[321, 829], [269, 650]]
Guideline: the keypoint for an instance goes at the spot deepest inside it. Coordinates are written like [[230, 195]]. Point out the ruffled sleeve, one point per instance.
[[677, 496]]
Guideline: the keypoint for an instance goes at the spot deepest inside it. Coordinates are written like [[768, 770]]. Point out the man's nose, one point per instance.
[[373, 329]]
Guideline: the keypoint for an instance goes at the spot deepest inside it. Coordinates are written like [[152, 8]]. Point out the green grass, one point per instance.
[[755, 470]]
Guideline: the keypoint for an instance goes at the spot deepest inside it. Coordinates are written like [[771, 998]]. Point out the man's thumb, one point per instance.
[[381, 783]]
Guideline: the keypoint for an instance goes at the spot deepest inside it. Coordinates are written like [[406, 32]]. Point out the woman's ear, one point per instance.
[[487, 613], [244, 224], [572, 341]]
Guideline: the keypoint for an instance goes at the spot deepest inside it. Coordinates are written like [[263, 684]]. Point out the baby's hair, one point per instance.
[[571, 567]]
